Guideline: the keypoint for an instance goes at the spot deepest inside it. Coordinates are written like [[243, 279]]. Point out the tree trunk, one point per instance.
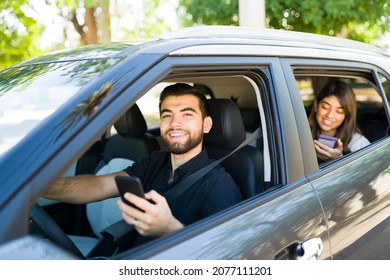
[[87, 31], [91, 36]]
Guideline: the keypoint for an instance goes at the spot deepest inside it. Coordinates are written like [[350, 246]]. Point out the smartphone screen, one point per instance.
[[129, 184], [328, 140]]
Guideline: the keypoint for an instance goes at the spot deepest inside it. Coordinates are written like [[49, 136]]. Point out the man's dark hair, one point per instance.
[[181, 89]]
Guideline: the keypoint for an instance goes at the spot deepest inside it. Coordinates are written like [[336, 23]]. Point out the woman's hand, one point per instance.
[[326, 153], [155, 219]]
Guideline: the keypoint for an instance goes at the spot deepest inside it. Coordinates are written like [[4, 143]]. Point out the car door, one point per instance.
[[275, 224], [354, 190]]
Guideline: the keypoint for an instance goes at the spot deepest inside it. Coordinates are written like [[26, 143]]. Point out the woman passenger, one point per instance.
[[334, 114]]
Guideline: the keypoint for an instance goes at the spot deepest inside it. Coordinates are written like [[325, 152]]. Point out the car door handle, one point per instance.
[[310, 249]]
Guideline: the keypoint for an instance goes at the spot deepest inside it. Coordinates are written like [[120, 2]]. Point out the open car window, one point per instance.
[[371, 115], [247, 93]]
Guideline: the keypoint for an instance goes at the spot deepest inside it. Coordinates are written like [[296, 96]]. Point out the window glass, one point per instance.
[[29, 94]]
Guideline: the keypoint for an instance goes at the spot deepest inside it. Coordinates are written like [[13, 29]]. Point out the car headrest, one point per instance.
[[251, 118], [228, 130], [132, 123]]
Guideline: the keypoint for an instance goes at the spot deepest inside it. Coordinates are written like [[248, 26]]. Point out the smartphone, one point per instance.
[[129, 184], [328, 140]]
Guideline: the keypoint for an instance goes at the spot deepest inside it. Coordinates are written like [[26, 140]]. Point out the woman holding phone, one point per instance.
[[333, 122]]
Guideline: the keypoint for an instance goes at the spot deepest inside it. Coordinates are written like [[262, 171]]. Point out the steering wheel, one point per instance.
[[120, 234], [53, 231]]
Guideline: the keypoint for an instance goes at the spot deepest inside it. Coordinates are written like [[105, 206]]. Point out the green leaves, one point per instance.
[[221, 12], [17, 32], [363, 20], [355, 19]]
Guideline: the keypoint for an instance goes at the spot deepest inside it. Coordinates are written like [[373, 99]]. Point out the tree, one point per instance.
[[198, 12], [79, 22], [139, 19], [18, 32], [363, 20], [91, 19], [83, 16]]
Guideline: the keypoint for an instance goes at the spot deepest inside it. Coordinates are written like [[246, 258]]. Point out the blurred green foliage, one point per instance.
[[362, 20], [204, 12], [18, 33]]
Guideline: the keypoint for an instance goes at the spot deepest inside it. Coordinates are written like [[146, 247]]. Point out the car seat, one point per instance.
[[251, 119], [228, 131], [131, 143]]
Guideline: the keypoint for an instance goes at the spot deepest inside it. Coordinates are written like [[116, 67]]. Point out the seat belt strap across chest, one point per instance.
[[188, 182]]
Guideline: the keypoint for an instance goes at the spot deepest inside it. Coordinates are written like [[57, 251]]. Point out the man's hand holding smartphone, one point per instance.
[[129, 184], [157, 219]]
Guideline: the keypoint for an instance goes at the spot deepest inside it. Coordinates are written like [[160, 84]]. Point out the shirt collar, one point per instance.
[[190, 166]]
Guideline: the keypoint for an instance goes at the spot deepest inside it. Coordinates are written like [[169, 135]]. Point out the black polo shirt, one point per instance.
[[212, 193]]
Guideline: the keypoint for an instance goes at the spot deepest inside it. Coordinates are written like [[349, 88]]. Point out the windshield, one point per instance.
[[29, 94]]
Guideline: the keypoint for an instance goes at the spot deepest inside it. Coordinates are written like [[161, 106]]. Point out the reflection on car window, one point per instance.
[[29, 94]]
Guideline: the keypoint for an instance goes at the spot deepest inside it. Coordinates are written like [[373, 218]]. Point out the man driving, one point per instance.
[[183, 121]]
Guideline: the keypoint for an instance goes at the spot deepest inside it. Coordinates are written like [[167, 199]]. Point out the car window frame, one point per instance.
[[386, 95], [289, 65], [288, 161]]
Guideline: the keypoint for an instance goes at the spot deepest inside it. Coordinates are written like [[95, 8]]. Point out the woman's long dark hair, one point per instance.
[[347, 99]]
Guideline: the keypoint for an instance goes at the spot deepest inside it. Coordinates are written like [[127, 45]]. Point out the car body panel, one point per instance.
[[265, 222], [361, 189], [273, 37]]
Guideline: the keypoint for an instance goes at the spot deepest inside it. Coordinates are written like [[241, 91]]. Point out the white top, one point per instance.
[[357, 142]]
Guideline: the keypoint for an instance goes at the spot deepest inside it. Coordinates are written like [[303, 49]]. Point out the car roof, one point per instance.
[[181, 42], [272, 37]]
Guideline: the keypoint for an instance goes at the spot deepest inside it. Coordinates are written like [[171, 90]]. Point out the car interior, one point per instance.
[[237, 110]]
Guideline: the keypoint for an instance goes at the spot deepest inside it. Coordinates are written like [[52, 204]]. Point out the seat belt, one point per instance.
[[188, 182]]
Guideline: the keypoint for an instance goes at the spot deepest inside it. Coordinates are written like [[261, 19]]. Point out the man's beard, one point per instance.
[[179, 148]]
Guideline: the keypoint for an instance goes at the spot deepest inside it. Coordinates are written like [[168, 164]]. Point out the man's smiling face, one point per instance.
[[182, 124]]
